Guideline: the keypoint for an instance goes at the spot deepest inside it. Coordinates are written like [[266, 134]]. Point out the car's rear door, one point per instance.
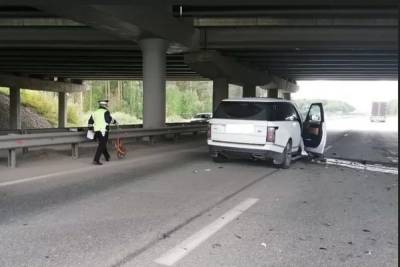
[[240, 122], [239, 131], [314, 130]]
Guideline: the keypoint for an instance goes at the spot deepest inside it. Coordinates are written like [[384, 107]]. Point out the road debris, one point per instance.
[[238, 236], [216, 245], [360, 165]]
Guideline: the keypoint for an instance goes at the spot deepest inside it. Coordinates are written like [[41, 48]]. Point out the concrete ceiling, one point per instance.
[[295, 40]]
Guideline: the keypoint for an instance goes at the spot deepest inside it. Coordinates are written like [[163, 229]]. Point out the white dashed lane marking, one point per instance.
[[182, 249]]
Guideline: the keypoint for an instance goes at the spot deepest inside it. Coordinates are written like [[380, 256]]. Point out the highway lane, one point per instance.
[[356, 138], [130, 215]]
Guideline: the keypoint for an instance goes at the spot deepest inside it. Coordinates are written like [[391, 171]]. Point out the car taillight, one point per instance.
[[271, 134], [209, 131]]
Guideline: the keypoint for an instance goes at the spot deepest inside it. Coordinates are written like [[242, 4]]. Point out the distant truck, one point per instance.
[[378, 112]]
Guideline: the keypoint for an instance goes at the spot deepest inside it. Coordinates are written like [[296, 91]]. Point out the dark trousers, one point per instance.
[[102, 147]]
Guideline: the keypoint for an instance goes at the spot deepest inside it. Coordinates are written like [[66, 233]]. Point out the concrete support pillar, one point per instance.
[[273, 93], [220, 91], [249, 90], [286, 96], [154, 72], [15, 108], [62, 110]]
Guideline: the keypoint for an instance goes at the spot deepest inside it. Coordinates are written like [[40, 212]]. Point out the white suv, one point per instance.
[[265, 128]]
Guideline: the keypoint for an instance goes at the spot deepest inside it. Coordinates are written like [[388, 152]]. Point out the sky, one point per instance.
[[359, 94]]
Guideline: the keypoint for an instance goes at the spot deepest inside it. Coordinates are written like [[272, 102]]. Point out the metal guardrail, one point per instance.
[[81, 129], [12, 142]]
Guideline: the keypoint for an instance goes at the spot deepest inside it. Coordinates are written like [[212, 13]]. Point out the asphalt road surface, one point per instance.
[[169, 204]]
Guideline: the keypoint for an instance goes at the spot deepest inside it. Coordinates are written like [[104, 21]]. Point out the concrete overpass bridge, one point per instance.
[[139, 211], [48, 45]]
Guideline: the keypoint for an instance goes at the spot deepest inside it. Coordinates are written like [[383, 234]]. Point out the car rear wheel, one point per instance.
[[219, 158], [286, 157]]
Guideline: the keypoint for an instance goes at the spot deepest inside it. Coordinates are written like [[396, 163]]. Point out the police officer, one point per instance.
[[100, 121]]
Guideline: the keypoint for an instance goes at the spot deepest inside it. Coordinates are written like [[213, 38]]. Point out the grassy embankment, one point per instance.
[[46, 104]]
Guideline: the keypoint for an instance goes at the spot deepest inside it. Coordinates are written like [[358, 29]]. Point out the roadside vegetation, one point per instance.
[[335, 107], [184, 99]]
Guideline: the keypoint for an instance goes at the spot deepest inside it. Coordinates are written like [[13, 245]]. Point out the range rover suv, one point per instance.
[[265, 128]]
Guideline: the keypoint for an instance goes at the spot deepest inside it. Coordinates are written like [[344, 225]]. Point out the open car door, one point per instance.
[[314, 130]]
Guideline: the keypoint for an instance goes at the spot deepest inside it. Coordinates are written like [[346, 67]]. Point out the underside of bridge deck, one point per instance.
[[295, 40]]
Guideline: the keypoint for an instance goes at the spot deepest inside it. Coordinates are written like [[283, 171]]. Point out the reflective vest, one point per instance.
[[100, 124]]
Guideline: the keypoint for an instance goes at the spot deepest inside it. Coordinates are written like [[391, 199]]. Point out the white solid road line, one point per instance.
[[181, 250], [359, 166], [328, 147], [88, 168], [54, 174]]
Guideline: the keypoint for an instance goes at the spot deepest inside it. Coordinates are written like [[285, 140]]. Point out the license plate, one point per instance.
[[239, 128]]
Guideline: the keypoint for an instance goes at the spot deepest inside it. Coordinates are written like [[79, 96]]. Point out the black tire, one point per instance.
[[219, 159], [286, 157]]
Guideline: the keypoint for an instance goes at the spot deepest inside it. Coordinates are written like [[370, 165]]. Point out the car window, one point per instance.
[[315, 113], [285, 111], [245, 111]]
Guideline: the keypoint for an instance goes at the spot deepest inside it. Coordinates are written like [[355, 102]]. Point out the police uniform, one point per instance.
[[100, 121]]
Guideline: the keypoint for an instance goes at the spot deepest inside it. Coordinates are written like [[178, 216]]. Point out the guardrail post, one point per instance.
[[151, 140], [75, 150], [24, 149], [176, 137], [12, 158]]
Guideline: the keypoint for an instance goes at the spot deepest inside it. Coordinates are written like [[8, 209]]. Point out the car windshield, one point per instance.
[[264, 111]]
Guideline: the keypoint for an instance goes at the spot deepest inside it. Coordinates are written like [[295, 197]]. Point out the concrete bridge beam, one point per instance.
[[213, 65], [13, 81]]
